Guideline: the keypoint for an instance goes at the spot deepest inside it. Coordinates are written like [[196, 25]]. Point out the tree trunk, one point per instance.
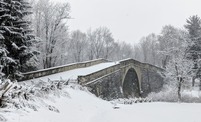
[[200, 84], [179, 88], [193, 81]]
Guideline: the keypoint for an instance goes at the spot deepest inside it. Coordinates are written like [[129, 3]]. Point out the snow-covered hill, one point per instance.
[[75, 105]]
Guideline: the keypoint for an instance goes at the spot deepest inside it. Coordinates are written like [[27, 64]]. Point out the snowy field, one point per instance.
[[75, 105]]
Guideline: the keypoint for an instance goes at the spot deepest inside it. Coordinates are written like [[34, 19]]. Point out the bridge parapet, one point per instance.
[[53, 70], [141, 65], [87, 78], [132, 61]]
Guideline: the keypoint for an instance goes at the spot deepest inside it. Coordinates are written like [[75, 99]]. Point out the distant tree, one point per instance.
[[89, 52], [148, 46], [194, 49], [169, 37], [126, 50], [137, 53], [16, 38], [144, 48], [109, 44], [100, 43], [78, 45], [114, 56]]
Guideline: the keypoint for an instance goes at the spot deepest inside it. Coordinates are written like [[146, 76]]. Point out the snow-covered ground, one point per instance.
[[75, 105], [80, 106], [73, 74]]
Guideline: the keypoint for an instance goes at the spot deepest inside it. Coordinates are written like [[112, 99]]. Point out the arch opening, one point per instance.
[[131, 84]]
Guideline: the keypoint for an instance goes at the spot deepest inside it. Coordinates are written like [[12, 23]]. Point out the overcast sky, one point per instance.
[[129, 20]]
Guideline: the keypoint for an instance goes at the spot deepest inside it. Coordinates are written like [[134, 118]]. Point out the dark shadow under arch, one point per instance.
[[131, 84]]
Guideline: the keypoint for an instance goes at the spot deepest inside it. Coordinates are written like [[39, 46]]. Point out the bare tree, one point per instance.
[[50, 26], [78, 45], [126, 50], [137, 53], [170, 37], [109, 43], [90, 51], [100, 42], [178, 67]]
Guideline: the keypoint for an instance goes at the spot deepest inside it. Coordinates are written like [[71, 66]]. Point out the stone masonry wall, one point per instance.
[[53, 70], [152, 81], [108, 87]]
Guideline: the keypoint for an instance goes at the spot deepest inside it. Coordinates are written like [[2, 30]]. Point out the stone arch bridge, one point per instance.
[[126, 78]]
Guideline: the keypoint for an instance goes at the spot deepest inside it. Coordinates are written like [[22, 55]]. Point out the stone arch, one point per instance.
[[131, 83]]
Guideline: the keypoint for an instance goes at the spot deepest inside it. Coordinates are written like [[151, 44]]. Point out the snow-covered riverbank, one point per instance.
[[75, 105]]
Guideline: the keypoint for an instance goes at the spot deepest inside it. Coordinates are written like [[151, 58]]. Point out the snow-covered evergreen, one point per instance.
[[16, 38]]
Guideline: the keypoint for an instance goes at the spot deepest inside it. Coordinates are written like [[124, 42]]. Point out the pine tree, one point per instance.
[[17, 40], [194, 50]]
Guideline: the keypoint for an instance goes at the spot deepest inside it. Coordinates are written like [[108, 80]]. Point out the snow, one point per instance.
[[82, 106], [73, 74], [192, 93], [152, 112]]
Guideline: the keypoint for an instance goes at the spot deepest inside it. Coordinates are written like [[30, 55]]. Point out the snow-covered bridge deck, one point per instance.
[[73, 74]]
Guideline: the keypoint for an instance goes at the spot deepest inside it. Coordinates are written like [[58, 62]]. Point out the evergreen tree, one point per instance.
[[194, 50], [17, 40], [194, 27]]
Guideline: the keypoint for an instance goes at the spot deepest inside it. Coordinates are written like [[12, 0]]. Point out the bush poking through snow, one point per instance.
[[2, 119], [164, 96], [52, 108], [131, 101], [21, 95], [4, 89], [170, 95]]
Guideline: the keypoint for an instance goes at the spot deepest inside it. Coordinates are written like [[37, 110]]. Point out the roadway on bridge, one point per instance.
[[73, 74]]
